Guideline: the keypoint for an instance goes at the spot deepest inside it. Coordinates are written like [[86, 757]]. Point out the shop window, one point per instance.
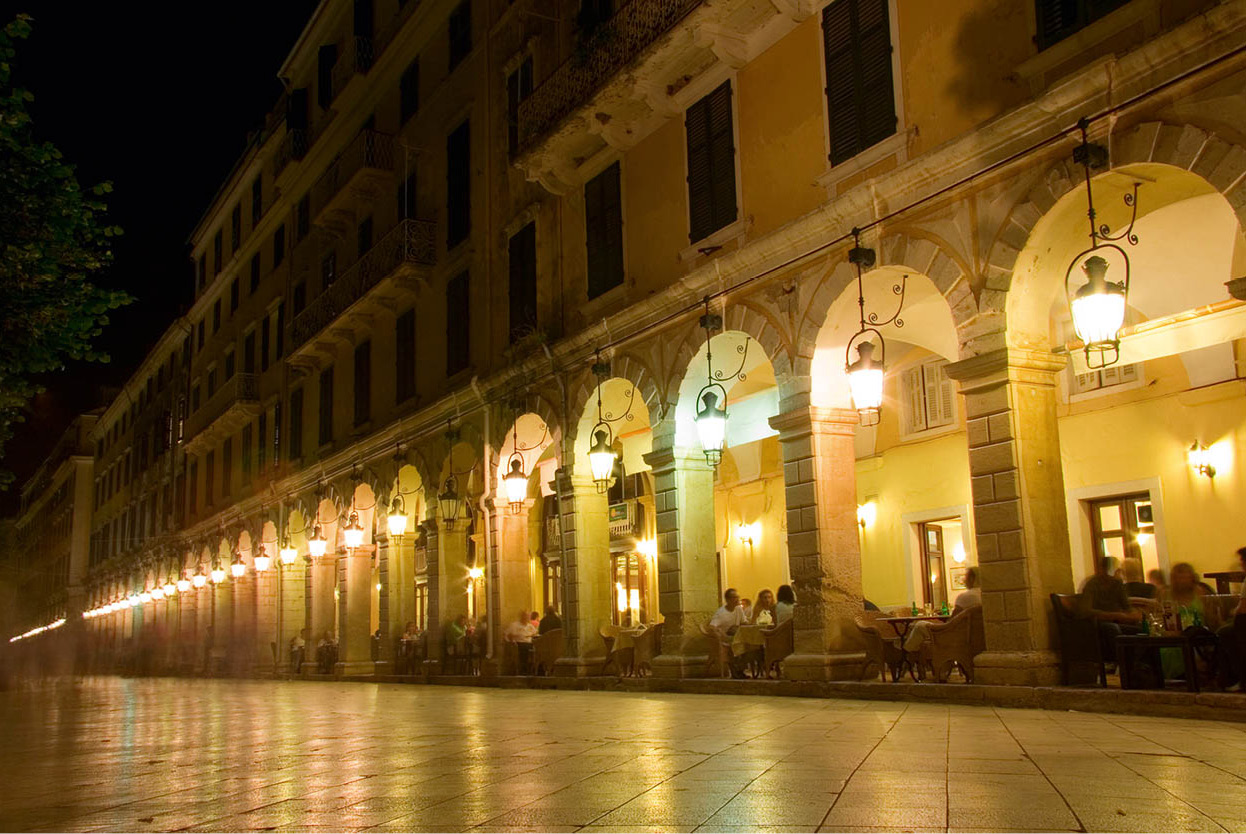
[[929, 397], [551, 581], [860, 98], [711, 164], [421, 604]]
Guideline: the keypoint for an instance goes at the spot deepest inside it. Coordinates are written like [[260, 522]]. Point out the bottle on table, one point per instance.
[[914, 611]]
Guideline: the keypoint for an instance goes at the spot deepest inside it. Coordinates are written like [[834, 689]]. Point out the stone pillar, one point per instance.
[[449, 600], [323, 581], [432, 556], [355, 641], [267, 641], [687, 557], [585, 573], [222, 625], [824, 550], [1018, 509], [245, 647], [399, 589], [187, 630], [511, 583], [292, 611]]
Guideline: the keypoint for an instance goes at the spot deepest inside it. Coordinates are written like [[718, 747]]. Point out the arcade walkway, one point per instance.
[[156, 755]]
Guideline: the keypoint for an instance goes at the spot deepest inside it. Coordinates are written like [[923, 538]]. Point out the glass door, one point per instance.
[[934, 584], [1124, 528]]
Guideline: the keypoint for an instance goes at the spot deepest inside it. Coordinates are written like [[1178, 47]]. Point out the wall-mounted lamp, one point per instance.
[[867, 513], [958, 553], [647, 548], [748, 533], [1199, 457], [475, 574]]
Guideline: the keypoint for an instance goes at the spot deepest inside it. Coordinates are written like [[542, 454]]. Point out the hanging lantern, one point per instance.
[[144, 597], [200, 578], [1098, 306], [711, 417], [237, 568], [218, 573], [396, 523], [262, 560], [865, 381], [448, 502], [353, 532], [601, 455], [157, 593], [287, 553], [183, 585], [516, 483], [170, 585], [317, 544]]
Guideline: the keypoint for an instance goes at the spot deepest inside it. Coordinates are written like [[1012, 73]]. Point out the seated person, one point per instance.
[[1134, 586], [298, 650], [1231, 658], [456, 630], [726, 620], [747, 605], [520, 632], [785, 604], [1186, 598], [971, 597], [1103, 597], [326, 653], [550, 621], [763, 611]]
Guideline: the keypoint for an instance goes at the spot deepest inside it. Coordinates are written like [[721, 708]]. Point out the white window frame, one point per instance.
[[906, 431]]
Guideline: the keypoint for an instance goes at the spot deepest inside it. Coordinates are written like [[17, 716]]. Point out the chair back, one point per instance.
[[977, 630], [546, 649], [1079, 636], [1219, 609], [780, 642], [717, 651], [648, 645]]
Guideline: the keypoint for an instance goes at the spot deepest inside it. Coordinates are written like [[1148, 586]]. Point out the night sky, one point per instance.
[[157, 97]]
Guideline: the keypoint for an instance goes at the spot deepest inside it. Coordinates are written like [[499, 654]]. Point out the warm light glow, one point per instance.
[[867, 513], [317, 544], [748, 533], [396, 523], [1200, 459], [648, 548], [157, 593], [633, 599], [378, 586], [352, 534], [1098, 307], [958, 553], [1145, 538], [183, 585], [237, 569], [144, 597], [262, 560], [287, 554], [170, 586], [865, 381], [475, 573], [712, 427], [601, 460], [516, 484], [620, 596], [218, 575], [199, 579]]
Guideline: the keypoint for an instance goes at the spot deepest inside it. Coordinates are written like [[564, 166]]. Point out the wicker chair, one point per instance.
[[546, 649], [1079, 638], [780, 642], [648, 646], [620, 659], [1220, 609], [880, 651], [954, 643], [718, 664]]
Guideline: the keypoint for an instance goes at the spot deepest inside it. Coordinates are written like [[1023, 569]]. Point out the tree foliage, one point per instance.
[[53, 240]]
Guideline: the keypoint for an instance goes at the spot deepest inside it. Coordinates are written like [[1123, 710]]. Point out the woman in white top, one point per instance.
[[786, 606]]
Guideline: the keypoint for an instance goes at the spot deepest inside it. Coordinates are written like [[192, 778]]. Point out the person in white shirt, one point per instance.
[[971, 597], [520, 632], [729, 617]]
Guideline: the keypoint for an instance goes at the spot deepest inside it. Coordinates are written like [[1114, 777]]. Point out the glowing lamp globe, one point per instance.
[[262, 560], [865, 381], [1098, 307], [287, 554], [317, 544], [475, 573], [237, 568], [144, 597], [712, 427], [183, 585], [199, 579], [448, 502], [218, 575], [170, 586], [157, 593], [516, 485], [396, 522], [601, 459], [353, 533]]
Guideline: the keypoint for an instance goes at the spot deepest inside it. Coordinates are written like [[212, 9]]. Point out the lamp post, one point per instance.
[[396, 522], [601, 455], [711, 415], [866, 374], [448, 501], [352, 534]]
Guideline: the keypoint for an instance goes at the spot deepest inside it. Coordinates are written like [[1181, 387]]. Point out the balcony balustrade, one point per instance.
[[235, 403], [354, 62], [293, 147], [405, 253], [626, 520], [362, 172]]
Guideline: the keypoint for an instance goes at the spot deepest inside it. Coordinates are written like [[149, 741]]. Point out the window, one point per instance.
[[363, 236], [229, 365], [1124, 528], [199, 336], [194, 398], [276, 434], [255, 272], [300, 297], [281, 329], [211, 382], [326, 406], [1057, 19], [603, 220], [264, 344], [235, 228], [363, 383], [404, 364], [279, 245], [262, 446], [216, 316], [247, 441], [933, 562], [209, 475], [518, 88], [630, 584], [522, 252], [929, 397], [409, 91], [860, 101], [302, 218], [328, 270], [257, 201], [227, 461], [218, 252], [711, 164], [201, 273], [458, 185], [406, 198], [460, 33], [326, 57], [248, 353], [458, 324], [233, 295], [192, 499], [296, 424], [1105, 378]]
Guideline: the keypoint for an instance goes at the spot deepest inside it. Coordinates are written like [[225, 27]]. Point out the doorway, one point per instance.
[[1123, 527]]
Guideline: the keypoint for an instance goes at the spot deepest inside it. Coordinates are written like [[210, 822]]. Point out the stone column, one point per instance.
[[451, 573], [824, 550], [292, 607], [222, 625], [266, 637], [187, 630], [355, 641], [399, 589], [683, 485], [511, 583], [585, 573], [432, 555], [1018, 509], [323, 581]]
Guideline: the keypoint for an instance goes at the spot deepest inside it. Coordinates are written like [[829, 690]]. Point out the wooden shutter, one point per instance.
[[404, 334], [603, 220], [939, 394], [914, 401], [1057, 19], [326, 406], [860, 96], [409, 89], [522, 290], [458, 183], [711, 164], [363, 383], [458, 324]]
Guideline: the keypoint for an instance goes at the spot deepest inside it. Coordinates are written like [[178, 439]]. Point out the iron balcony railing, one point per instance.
[[611, 48], [294, 146], [369, 150], [356, 59], [411, 243], [242, 389]]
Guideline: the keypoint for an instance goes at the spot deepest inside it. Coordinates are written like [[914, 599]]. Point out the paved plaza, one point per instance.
[[164, 755]]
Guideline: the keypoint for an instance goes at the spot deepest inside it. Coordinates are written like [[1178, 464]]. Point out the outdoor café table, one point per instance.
[[748, 638], [1129, 645], [901, 626], [627, 638]]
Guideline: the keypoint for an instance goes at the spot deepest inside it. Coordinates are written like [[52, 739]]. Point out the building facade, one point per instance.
[[480, 239]]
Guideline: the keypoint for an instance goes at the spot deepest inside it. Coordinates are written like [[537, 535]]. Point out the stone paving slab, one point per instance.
[[111, 754]]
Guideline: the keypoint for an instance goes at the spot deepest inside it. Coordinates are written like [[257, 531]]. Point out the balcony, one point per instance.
[[641, 67], [354, 62], [626, 520], [233, 405], [292, 148], [362, 173], [398, 264]]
